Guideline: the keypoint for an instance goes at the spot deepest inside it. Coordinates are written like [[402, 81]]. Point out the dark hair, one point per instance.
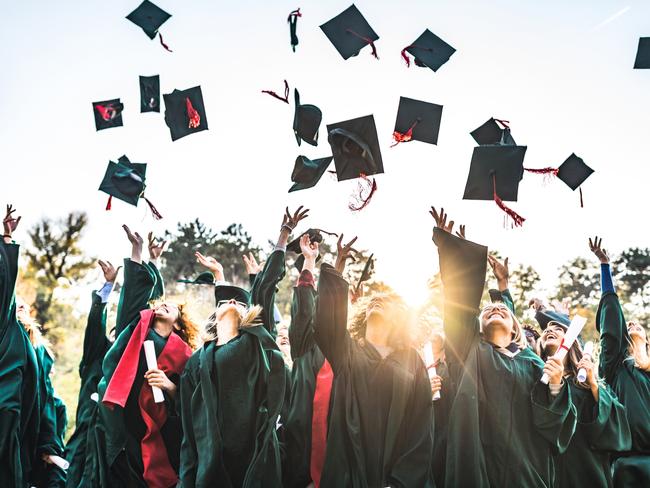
[[571, 367]]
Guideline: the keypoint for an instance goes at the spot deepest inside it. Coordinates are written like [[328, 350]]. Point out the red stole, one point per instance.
[[321, 406]]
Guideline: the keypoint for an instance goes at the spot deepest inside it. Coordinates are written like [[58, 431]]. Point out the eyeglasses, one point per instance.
[[225, 302]]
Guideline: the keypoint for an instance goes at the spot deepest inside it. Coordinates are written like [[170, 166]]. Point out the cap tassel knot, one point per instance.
[[367, 39], [516, 218], [162, 43], [154, 210], [293, 21], [366, 188], [192, 114], [404, 137], [285, 99]]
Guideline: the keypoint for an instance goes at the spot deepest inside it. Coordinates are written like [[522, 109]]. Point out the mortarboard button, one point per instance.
[[429, 51], [350, 32], [108, 113], [642, 60], [417, 121], [185, 112], [306, 121], [306, 173], [150, 93]]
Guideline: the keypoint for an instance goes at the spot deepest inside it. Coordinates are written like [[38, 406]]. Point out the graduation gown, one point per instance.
[[19, 382], [232, 396], [631, 385], [124, 428], [380, 416], [602, 428], [79, 451], [504, 426]]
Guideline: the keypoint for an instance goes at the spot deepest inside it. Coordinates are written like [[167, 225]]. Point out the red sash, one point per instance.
[[321, 406]]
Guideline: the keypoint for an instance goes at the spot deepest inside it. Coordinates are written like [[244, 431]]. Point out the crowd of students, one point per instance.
[[218, 405]]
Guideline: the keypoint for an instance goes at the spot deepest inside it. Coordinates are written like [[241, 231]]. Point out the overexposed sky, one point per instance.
[[560, 72]]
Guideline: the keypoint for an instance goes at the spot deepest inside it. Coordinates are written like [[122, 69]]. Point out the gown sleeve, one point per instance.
[[303, 310], [330, 323], [554, 417], [608, 428], [265, 287], [189, 455], [137, 290], [95, 342], [8, 275]]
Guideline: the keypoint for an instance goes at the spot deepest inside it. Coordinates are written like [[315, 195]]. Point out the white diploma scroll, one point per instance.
[[58, 461], [570, 336], [430, 362], [587, 351], [152, 363]]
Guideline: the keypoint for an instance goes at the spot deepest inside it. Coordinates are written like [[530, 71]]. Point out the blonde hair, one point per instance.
[[518, 336], [250, 317], [400, 337], [641, 362]]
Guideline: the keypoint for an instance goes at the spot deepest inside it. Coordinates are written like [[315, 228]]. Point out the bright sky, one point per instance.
[[560, 72]]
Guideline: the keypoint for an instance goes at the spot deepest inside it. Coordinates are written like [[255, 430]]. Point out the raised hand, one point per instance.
[[441, 220], [343, 253], [290, 222], [461, 233], [9, 223], [156, 248], [563, 306], [600, 252], [110, 272], [136, 244], [500, 270], [537, 304], [309, 249], [252, 266], [212, 264]]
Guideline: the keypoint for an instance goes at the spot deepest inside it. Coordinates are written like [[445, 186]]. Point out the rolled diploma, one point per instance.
[[58, 461], [588, 351], [429, 362], [152, 363], [570, 336]]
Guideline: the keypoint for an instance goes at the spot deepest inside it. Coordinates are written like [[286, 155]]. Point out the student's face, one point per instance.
[[380, 307], [636, 331], [496, 315], [226, 307], [552, 337], [167, 312]]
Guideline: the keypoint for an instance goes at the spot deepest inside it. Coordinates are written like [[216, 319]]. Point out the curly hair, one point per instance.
[[400, 317], [189, 330], [249, 318]]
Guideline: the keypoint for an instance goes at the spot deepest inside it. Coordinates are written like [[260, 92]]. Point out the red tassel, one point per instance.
[[405, 56], [367, 39], [293, 14], [543, 171], [504, 123], [107, 112], [517, 219], [275, 95], [154, 210], [110, 202], [406, 136], [582, 204], [162, 43], [192, 114], [359, 200]]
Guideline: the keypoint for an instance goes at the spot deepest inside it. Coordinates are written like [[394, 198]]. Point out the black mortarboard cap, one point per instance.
[[185, 112], [108, 113], [505, 164], [349, 32], [315, 235], [462, 269], [544, 317], [355, 148], [205, 278], [642, 60], [306, 121], [229, 292], [422, 117], [150, 93], [367, 272], [125, 180], [149, 17], [574, 171], [493, 133], [430, 51], [306, 173]]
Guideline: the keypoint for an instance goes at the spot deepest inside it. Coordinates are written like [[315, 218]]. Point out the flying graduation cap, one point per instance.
[[573, 172], [185, 112], [293, 21], [428, 51], [350, 32], [126, 181], [365, 274], [494, 131], [149, 18], [306, 173], [306, 121], [642, 60], [315, 235], [355, 148], [108, 114], [150, 93], [417, 121]]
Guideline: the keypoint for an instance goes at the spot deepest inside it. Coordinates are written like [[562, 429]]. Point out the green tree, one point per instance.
[[632, 274]]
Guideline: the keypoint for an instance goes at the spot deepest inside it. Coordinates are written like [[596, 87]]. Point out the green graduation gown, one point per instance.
[[79, 451], [631, 385], [380, 416], [504, 426], [19, 385], [231, 398]]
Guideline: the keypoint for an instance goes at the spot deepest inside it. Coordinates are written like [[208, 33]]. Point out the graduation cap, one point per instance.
[[315, 235], [306, 121], [350, 32], [573, 172], [150, 93], [417, 121], [126, 181], [108, 113], [428, 51], [185, 112], [306, 173], [494, 131], [229, 292], [205, 278], [149, 18], [293, 21], [642, 60], [365, 274], [355, 147], [545, 317], [494, 174]]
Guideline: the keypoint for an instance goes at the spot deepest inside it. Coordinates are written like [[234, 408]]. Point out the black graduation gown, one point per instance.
[[379, 430], [19, 385]]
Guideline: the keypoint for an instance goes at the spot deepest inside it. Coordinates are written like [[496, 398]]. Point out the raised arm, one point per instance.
[[502, 274], [303, 306], [8, 270], [252, 267]]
